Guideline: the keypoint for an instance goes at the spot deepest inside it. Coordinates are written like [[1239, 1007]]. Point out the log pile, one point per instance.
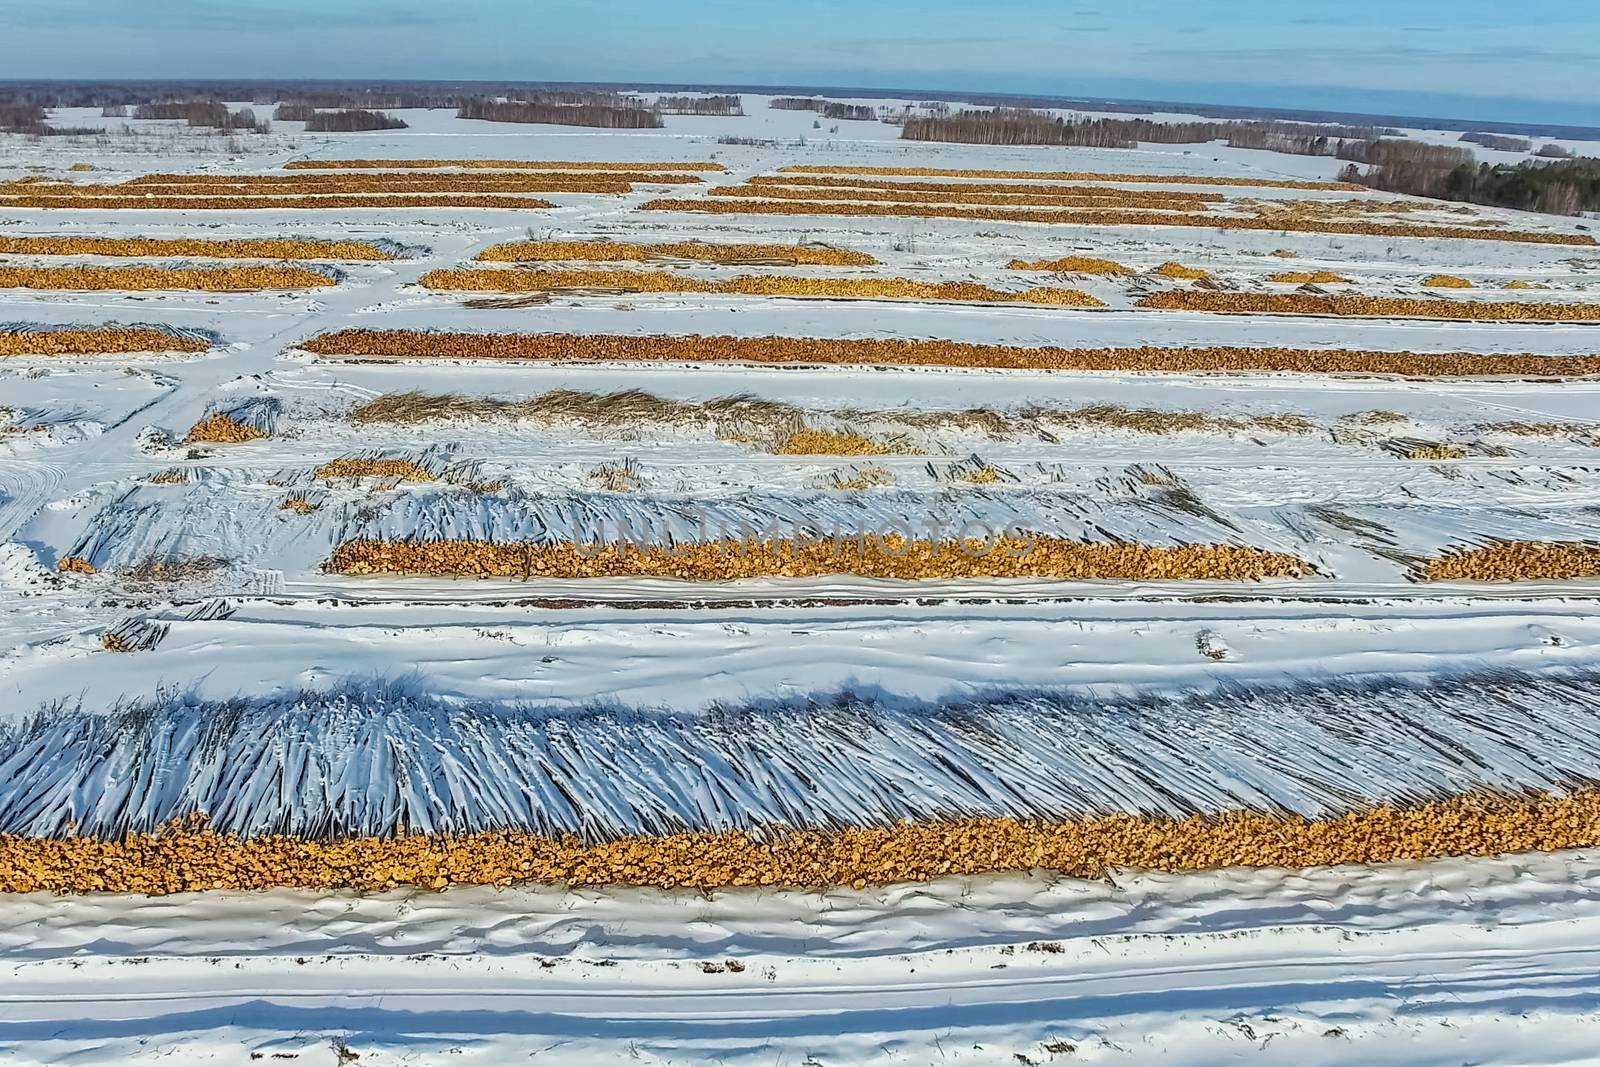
[[189, 858], [626, 281], [891, 556], [407, 344]]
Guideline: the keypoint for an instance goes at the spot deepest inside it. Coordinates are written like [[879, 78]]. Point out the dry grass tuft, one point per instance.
[[1446, 281], [298, 504]]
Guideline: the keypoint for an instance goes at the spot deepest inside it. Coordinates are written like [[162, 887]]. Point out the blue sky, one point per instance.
[[1452, 58]]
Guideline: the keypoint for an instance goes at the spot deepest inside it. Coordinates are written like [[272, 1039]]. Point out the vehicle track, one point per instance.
[[1156, 989], [26, 486]]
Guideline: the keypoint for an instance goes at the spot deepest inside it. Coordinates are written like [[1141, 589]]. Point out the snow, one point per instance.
[[359, 760], [1437, 963], [644, 648], [1482, 961]]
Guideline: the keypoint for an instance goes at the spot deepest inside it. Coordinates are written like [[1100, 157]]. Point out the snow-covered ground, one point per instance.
[[1446, 962], [1482, 961]]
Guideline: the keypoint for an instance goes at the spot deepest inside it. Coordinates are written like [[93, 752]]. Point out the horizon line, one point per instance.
[[1063, 101]]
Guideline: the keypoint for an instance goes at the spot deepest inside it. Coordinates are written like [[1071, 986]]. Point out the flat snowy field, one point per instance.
[[1464, 961], [1484, 961]]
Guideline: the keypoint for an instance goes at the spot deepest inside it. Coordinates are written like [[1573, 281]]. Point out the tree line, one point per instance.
[[1560, 187], [601, 116], [699, 105], [1499, 142], [1023, 126], [352, 120], [828, 109], [203, 113]]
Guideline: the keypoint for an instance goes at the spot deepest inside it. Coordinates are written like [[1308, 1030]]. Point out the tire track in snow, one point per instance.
[[26, 486], [1158, 993]]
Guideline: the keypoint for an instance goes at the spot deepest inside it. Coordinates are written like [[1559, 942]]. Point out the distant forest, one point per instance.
[[1563, 186], [352, 121], [604, 116], [30, 120], [1022, 126], [828, 109], [1499, 142], [1380, 156], [1558, 187], [699, 105], [413, 93], [212, 113]]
